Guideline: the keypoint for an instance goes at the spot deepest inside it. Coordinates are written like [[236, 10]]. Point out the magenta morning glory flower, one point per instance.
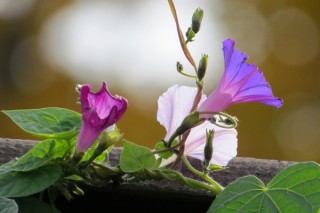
[[100, 110], [241, 82], [173, 106]]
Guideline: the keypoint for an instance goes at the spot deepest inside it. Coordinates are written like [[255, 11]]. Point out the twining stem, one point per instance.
[[197, 99], [186, 53], [112, 170], [233, 120], [194, 108], [190, 59], [174, 175], [188, 75], [171, 149], [181, 36], [217, 187], [91, 159]]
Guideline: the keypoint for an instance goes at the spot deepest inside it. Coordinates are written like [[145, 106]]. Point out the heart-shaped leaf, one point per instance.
[[52, 122], [38, 156], [8, 206], [295, 189], [18, 184], [101, 158], [135, 158], [160, 147]]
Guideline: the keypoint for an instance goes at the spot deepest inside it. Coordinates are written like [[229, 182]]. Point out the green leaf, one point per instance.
[[49, 122], [63, 147], [160, 146], [19, 184], [38, 156], [34, 205], [214, 168], [74, 178], [135, 158], [8, 205], [101, 158], [295, 189]]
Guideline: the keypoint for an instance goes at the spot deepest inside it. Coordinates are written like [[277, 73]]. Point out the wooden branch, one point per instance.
[[155, 192], [238, 167], [11, 148]]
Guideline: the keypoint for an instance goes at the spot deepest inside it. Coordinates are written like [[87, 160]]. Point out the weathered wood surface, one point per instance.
[[11, 148], [238, 167]]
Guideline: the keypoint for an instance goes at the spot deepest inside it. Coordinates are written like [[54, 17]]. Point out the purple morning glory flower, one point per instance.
[[100, 110], [241, 82]]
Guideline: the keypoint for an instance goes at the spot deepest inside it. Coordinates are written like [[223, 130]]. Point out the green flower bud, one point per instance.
[[179, 67], [196, 20], [214, 168], [190, 34], [208, 148], [75, 189], [65, 192], [202, 67], [109, 138], [192, 120]]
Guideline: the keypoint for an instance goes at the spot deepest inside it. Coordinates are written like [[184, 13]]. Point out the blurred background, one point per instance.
[[47, 47]]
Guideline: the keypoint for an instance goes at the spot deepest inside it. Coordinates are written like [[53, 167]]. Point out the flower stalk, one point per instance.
[[181, 37], [217, 188], [173, 175]]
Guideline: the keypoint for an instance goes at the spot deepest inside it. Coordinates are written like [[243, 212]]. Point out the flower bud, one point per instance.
[[215, 167], [109, 137], [100, 110], [202, 67], [189, 122], [78, 88], [208, 148], [179, 67], [196, 20], [75, 189], [192, 120], [190, 34]]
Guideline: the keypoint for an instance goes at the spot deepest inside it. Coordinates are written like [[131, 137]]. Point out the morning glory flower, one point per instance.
[[100, 110], [241, 82], [174, 105]]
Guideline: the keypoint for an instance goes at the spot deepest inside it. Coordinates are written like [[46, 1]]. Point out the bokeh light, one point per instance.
[[297, 130], [295, 36], [100, 42]]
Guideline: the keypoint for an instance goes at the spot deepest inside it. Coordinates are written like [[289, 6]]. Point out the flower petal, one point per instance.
[[224, 146], [245, 82], [100, 110], [102, 101], [257, 89], [241, 82], [234, 61], [87, 136], [174, 105]]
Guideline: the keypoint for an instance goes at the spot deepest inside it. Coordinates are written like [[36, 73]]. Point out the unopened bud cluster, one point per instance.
[[195, 25], [208, 148], [202, 67], [196, 20]]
